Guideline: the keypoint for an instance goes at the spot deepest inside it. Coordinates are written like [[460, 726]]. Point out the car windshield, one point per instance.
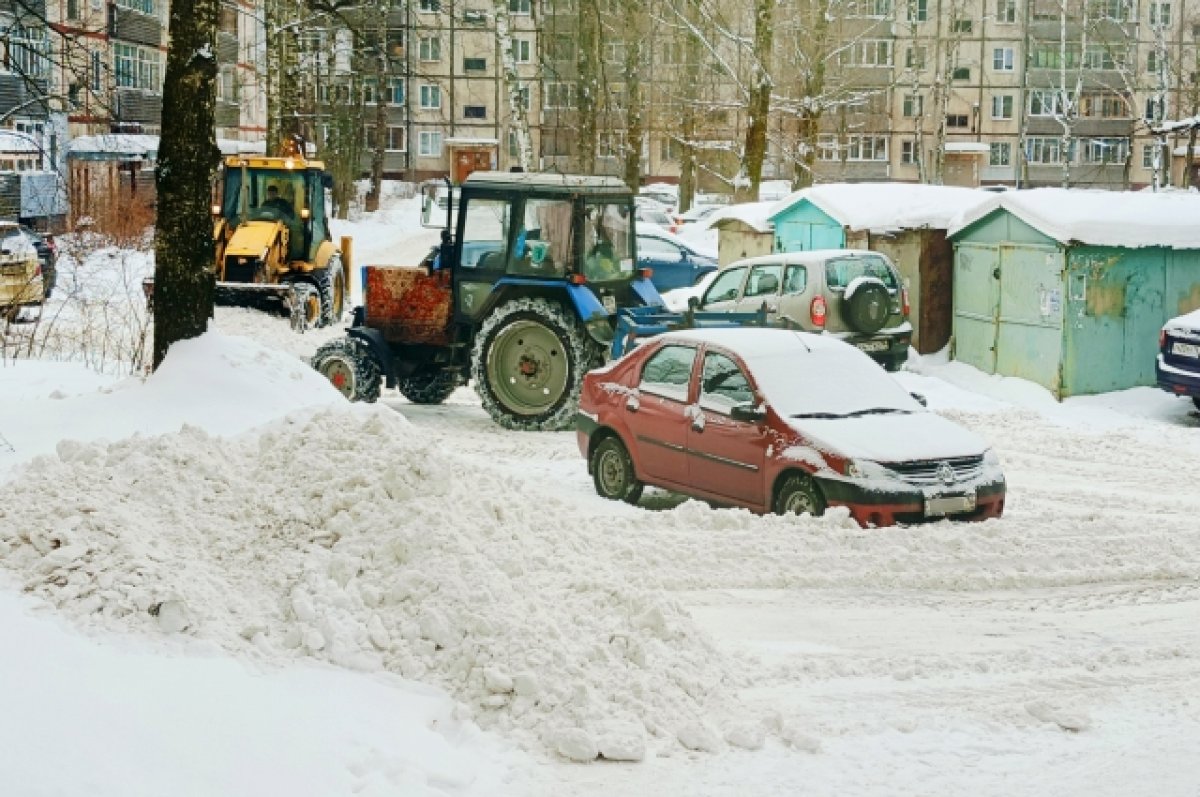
[[806, 376], [841, 271]]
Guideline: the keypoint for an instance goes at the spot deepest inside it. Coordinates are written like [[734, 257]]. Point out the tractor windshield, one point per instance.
[[607, 242], [268, 194]]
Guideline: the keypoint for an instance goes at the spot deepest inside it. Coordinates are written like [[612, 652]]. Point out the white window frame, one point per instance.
[[387, 144], [1044, 150], [1003, 59], [430, 97], [429, 144], [523, 51], [912, 106], [1000, 154], [1003, 106], [429, 49]]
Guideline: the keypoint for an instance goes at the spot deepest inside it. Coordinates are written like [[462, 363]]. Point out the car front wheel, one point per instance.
[[612, 472], [799, 494]]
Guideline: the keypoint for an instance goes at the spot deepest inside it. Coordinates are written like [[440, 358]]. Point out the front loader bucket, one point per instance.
[[299, 301]]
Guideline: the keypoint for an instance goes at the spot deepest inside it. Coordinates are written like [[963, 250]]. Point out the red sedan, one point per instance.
[[782, 421]]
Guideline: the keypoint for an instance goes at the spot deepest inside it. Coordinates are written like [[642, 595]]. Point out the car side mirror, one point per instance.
[[920, 399], [747, 412]]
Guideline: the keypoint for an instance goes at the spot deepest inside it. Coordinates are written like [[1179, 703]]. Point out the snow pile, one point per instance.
[[425, 563]]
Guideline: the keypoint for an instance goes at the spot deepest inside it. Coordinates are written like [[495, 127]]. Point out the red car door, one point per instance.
[[657, 414], [726, 457]]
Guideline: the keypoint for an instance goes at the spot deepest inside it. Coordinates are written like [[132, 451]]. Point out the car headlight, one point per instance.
[[990, 457]]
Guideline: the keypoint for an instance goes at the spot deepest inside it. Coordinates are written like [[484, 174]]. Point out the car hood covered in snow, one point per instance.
[[892, 437]]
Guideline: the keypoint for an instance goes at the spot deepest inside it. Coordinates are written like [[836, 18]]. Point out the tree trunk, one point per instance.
[[187, 158], [759, 104], [518, 117], [634, 118], [588, 99]]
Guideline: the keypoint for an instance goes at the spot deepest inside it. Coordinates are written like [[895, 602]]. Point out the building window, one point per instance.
[[1043, 150], [429, 48], [1098, 56], [915, 58], [523, 96], [614, 52], [474, 17], [1160, 14], [1000, 153], [962, 26], [429, 6], [672, 53], [867, 52], [1006, 10], [1116, 10], [1002, 59], [429, 144], [1153, 62], [671, 150], [431, 97], [1044, 103], [961, 73], [522, 50], [1148, 153], [1156, 109], [908, 152], [914, 105], [396, 141], [520, 7], [474, 64], [918, 10], [559, 95], [395, 91], [475, 112], [856, 148], [872, 9], [1104, 150], [144, 6], [25, 50], [136, 67], [1002, 106], [1050, 56], [956, 120], [1104, 106]]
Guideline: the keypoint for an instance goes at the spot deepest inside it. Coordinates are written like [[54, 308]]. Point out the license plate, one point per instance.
[[610, 303], [938, 506], [1185, 349], [872, 345]]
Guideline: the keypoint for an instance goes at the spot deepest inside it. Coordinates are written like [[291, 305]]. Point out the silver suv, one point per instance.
[[854, 294]]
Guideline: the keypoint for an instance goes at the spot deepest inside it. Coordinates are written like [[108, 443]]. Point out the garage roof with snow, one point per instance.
[[886, 207], [1129, 219]]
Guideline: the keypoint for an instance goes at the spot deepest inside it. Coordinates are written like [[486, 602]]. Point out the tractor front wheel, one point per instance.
[[350, 367], [428, 387], [528, 363]]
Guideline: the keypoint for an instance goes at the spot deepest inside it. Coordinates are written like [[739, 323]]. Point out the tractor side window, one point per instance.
[[668, 372], [485, 231], [543, 242], [607, 242]]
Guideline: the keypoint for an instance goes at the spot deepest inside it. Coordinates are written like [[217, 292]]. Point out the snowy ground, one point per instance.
[[223, 579]]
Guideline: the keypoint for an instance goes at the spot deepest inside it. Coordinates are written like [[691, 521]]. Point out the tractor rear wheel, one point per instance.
[[350, 367], [428, 387], [528, 363]]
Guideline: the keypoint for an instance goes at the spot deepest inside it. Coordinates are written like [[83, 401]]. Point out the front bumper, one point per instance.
[[872, 507], [1177, 380]]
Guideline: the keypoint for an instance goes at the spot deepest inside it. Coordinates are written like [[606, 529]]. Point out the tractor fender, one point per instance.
[[373, 338], [578, 299], [325, 252]]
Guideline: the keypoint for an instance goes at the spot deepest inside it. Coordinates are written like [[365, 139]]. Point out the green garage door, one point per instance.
[[1029, 335], [976, 304]]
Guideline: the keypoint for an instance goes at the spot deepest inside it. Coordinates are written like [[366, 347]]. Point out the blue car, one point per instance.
[[674, 263], [1178, 363]]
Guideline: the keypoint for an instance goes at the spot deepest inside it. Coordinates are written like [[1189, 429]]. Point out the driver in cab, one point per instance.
[[274, 200]]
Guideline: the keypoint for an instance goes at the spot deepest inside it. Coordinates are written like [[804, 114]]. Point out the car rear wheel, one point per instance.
[[798, 494], [867, 309], [612, 472]]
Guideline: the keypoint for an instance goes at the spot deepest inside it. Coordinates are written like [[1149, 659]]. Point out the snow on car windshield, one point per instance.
[[813, 376]]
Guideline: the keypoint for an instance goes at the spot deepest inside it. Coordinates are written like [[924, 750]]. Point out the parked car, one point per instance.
[[694, 214], [662, 196], [674, 263], [653, 214], [779, 421], [43, 243], [1178, 364], [21, 284], [853, 294]]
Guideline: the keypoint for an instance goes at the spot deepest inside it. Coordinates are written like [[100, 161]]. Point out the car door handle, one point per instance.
[[631, 404], [698, 425], [771, 308]]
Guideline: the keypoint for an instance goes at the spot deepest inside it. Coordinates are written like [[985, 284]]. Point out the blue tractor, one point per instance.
[[522, 299]]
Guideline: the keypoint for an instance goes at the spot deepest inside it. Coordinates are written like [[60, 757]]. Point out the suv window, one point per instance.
[[723, 385], [668, 372], [763, 280], [725, 287], [841, 271], [795, 279]]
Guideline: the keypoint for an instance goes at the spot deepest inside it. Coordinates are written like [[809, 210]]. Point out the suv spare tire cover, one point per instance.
[[867, 307]]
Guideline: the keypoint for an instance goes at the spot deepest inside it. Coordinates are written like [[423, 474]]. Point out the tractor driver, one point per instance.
[[274, 200]]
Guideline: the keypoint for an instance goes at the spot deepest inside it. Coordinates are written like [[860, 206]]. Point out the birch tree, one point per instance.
[[516, 93]]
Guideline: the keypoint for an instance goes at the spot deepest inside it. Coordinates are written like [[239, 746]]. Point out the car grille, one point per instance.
[[925, 472]]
